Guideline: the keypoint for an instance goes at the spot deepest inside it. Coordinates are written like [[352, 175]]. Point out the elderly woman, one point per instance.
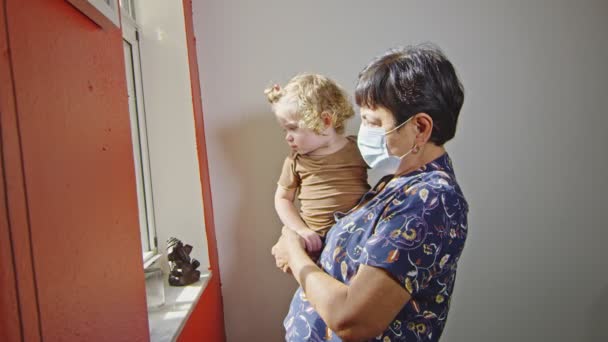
[[388, 268]]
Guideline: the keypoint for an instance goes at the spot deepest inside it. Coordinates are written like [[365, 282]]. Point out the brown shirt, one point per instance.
[[326, 184]]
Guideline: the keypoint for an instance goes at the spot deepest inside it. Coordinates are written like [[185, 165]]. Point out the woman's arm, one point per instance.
[[360, 311], [289, 215]]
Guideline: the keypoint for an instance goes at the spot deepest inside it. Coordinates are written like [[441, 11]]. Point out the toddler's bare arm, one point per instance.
[[289, 215]]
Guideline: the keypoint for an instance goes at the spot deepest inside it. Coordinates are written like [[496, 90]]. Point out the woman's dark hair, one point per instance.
[[410, 80]]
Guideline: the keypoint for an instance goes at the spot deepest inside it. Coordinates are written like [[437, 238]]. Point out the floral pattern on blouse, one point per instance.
[[414, 226]]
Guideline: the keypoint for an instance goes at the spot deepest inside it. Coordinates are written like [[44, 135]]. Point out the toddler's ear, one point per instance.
[[326, 117]]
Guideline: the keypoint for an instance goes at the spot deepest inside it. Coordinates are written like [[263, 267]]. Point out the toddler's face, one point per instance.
[[300, 139]]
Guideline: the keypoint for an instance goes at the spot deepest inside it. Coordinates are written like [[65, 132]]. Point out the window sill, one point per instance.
[[150, 258], [167, 321]]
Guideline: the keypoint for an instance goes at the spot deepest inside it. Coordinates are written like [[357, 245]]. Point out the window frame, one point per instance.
[[141, 155]]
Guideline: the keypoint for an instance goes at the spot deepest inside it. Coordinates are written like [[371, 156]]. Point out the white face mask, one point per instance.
[[374, 150]]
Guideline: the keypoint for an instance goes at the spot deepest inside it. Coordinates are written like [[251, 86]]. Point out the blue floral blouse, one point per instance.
[[413, 226]]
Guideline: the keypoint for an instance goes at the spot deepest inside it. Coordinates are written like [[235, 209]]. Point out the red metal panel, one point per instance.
[[78, 173], [10, 329], [206, 323], [18, 301]]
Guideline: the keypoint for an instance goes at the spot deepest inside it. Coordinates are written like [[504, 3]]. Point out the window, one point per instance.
[[139, 134], [127, 8], [164, 143]]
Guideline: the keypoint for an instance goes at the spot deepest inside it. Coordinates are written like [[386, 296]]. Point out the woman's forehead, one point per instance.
[[378, 113]]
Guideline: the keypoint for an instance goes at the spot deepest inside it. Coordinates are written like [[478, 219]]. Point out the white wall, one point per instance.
[[176, 184], [530, 151]]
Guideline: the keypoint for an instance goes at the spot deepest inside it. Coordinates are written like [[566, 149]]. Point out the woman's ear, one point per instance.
[[424, 127]]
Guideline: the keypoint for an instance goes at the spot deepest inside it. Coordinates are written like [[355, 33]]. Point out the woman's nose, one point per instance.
[[288, 137]]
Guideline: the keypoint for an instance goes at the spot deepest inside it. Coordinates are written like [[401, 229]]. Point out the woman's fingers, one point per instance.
[[276, 253]]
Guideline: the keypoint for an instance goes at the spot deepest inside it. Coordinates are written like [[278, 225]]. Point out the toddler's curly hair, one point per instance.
[[308, 96]]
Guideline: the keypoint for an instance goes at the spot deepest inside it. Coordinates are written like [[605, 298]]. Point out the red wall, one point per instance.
[[206, 322], [71, 203], [11, 310], [70, 257]]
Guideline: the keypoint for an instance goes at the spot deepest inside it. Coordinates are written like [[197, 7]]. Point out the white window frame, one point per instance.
[[141, 155], [104, 13], [165, 67], [127, 9]]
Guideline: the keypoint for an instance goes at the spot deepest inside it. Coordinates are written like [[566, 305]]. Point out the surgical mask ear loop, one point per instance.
[[396, 128], [413, 150]]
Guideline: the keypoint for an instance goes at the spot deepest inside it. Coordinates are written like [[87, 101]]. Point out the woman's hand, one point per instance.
[[289, 241]]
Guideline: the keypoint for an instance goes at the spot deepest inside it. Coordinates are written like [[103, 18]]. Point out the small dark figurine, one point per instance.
[[183, 269]]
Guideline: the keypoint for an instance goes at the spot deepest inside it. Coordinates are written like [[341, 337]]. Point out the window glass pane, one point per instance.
[[141, 194], [128, 7]]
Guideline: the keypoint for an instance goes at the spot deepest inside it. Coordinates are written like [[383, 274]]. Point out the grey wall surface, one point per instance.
[[530, 150]]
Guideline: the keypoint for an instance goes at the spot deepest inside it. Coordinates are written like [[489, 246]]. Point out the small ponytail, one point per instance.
[[274, 93]]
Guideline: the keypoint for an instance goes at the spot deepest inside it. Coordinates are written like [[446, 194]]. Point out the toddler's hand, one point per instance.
[[312, 240]]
